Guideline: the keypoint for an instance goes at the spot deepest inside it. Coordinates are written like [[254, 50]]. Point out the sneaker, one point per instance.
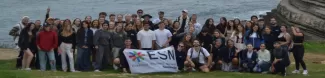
[[28, 69], [74, 71], [305, 72], [193, 70], [97, 71], [285, 74], [265, 72], [295, 71]]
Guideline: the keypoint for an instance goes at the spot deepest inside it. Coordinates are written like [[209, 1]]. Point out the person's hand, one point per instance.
[[192, 64], [237, 51], [219, 62], [38, 48], [48, 10], [96, 47], [52, 50], [84, 47]]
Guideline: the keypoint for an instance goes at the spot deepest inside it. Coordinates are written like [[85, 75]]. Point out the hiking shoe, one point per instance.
[[305, 72]]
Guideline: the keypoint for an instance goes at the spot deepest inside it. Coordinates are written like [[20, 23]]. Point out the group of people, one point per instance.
[[231, 45]]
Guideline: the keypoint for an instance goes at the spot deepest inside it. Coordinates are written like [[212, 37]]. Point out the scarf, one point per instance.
[[180, 19]]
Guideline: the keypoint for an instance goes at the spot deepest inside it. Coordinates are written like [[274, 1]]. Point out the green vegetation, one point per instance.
[[7, 70]]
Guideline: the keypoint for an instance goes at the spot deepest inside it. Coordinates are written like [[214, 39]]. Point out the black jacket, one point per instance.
[[245, 59], [81, 38], [24, 41], [132, 34], [227, 55]]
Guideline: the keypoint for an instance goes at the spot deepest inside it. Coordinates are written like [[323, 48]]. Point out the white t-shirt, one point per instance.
[[162, 36], [195, 54], [146, 38]]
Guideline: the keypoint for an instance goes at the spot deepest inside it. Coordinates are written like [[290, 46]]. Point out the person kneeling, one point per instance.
[[248, 58], [196, 58], [263, 60], [281, 60], [121, 61]]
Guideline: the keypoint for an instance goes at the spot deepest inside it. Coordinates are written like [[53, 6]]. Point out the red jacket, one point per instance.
[[47, 40]]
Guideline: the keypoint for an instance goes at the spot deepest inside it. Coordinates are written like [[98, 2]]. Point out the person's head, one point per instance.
[[105, 26], [230, 43], [66, 24], [261, 22], [111, 25], [196, 43], [273, 21], [57, 21], [191, 29], [255, 28], [277, 45], [248, 24], [47, 27], [102, 15], [297, 29], [161, 25], [190, 24], [249, 47], [127, 42], [209, 22], [180, 46], [112, 17], [262, 47], [129, 27], [166, 22], [88, 19], [77, 22], [283, 28], [193, 17], [138, 22], [267, 30], [25, 20], [216, 33], [176, 25], [254, 18], [146, 25], [240, 29], [184, 13], [38, 22], [231, 25], [50, 20], [134, 17], [128, 17], [95, 24], [146, 17], [218, 42], [204, 31], [61, 22], [101, 20], [161, 14], [85, 24], [223, 20], [237, 21], [30, 26], [119, 28], [188, 38], [140, 12], [119, 17]]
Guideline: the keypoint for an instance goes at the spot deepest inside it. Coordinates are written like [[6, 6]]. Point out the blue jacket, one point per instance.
[[256, 42], [81, 38]]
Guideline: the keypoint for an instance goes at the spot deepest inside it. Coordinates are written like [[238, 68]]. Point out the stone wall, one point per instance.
[[308, 13]]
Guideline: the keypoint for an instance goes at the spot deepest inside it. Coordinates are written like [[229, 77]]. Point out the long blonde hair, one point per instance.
[[65, 26]]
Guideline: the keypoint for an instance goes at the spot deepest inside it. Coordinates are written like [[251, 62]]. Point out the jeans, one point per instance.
[[102, 56], [262, 66], [83, 59], [66, 50], [43, 60]]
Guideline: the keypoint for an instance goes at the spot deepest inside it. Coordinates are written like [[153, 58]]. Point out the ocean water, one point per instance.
[[11, 11]]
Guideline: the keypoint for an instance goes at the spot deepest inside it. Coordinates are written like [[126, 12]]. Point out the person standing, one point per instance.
[[103, 44], [298, 50], [254, 37], [47, 41], [209, 23], [146, 18], [163, 36], [183, 20], [94, 27], [132, 34], [76, 25], [84, 44], [159, 19], [275, 27], [118, 37], [222, 25], [146, 38], [196, 25], [67, 39], [205, 38], [238, 37], [27, 44], [15, 32]]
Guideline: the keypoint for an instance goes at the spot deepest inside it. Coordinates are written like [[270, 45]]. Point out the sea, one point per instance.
[[11, 11]]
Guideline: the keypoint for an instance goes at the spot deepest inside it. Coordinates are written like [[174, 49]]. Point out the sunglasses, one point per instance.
[[140, 12]]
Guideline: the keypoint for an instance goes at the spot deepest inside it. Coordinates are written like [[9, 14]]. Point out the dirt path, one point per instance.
[[6, 54]]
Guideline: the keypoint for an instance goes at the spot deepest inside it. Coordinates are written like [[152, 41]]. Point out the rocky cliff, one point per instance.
[[309, 15]]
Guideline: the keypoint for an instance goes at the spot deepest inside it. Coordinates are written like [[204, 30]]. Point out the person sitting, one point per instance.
[[196, 58], [281, 60], [248, 58], [229, 56], [263, 60], [180, 55], [121, 61], [215, 50]]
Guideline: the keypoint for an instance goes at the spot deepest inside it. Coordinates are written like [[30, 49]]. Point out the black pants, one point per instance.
[[298, 54], [146, 49], [20, 59], [280, 67]]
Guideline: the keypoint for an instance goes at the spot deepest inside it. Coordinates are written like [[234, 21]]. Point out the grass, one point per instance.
[[7, 70]]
